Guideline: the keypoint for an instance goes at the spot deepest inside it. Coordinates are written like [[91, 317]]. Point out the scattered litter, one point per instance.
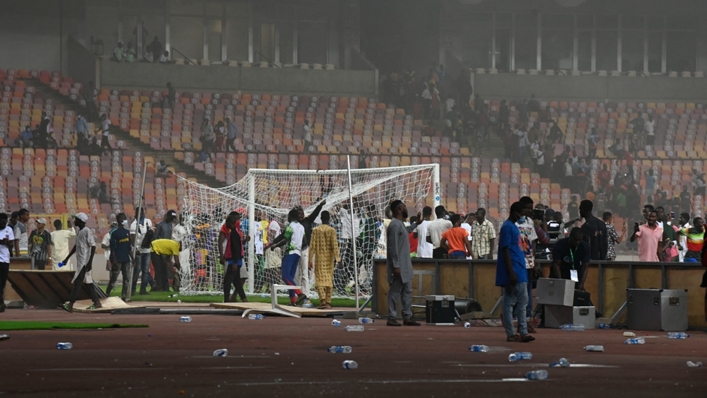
[[562, 363], [518, 356], [594, 348], [277, 353], [354, 328], [479, 348], [64, 346], [222, 352], [256, 316], [467, 325], [629, 334], [678, 335], [349, 365], [336, 323], [605, 326], [694, 364], [185, 319], [4, 337], [179, 301], [536, 375], [639, 340], [365, 320], [572, 328], [340, 349]]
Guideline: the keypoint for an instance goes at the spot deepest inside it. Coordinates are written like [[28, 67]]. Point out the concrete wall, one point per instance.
[[223, 78], [82, 64], [591, 87]]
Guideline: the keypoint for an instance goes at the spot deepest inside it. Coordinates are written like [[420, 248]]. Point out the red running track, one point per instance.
[[281, 357]]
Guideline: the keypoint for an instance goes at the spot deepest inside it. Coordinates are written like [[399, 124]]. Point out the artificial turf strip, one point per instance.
[[34, 325]]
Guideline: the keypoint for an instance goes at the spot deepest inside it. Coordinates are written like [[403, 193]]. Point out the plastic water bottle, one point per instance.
[[518, 356], [572, 328], [694, 364], [60, 264], [467, 325], [336, 323], [349, 365], [479, 348], [184, 319], [4, 337], [64, 346], [256, 316], [536, 375], [629, 334], [639, 340], [222, 352], [308, 304], [339, 349], [605, 326], [365, 320], [594, 348], [562, 363], [678, 335], [354, 328]]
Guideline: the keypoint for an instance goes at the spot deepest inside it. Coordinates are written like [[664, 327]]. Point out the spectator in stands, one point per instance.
[[649, 238], [523, 142], [20, 232], [533, 104], [449, 105], [40, 246], [220, 133], [105, 134], [621, 200], [82, 131], [522, 108], [638, 124], [651, 179], [231, 135], [592, 143], [435, 102], [130, 53], [26, 138], [427, 100], [685, 199], [435, 230], [60, 238], [162, 167], [569, 173], [698, 182], [512, 276], [612, 238], [164, 58], [143, 32], [156, 48], [483, 235], [604, 177], [649, 126], [118, 52], [208, 139], [307, 136], [171, 94]]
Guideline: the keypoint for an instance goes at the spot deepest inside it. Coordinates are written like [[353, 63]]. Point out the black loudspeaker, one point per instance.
[[467, 305]]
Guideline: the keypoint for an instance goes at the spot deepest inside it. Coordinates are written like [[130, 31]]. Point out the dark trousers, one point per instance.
[[78, 283], [4, 270], [230, 145], [233, 277], [39, 264], [160, 264], [439, 253]]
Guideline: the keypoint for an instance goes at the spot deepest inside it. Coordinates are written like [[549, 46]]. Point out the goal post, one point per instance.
[[358, 213]]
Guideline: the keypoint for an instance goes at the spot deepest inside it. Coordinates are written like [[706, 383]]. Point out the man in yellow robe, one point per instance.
[[323, 254]]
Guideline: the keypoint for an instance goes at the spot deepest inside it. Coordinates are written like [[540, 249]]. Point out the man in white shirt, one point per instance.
[[435, 230], [61, 238], [307, 136], [21, 236], [85, 248], [467, 225], [142, 258], [649, 127], [105, 129], [684, 224], [7, 239], [523, 142], [424, 248]]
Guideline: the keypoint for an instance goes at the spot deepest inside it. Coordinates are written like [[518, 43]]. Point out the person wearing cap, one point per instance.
[[163, 252], [60, 239], [40, 246], [84, 248]]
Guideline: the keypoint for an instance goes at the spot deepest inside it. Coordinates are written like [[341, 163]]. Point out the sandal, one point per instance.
[[322, 306]]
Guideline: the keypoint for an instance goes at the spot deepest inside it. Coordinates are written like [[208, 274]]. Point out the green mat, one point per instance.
[[33, 325]]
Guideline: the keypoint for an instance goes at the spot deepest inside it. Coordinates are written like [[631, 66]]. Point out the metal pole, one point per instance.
[[353, 229], [436, 186], [137, 221], [251, 233]]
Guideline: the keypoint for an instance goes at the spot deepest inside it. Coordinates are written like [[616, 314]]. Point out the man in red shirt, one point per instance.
[[413, 240], [456, 240], [604, 176]]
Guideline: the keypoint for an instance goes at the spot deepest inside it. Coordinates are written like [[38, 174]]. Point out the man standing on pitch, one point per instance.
[[84, 248], [512, 276], [324, 253], [293, 237], [399, 266], [121, 257], [7, 241]]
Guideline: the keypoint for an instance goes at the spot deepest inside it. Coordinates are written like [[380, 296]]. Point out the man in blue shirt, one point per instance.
[[26, 138], [121, 257], [511, 274]]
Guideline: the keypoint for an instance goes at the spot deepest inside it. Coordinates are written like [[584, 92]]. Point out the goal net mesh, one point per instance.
[[265, 208]]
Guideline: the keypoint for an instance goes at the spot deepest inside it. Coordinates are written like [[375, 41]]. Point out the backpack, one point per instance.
[[147, 240]]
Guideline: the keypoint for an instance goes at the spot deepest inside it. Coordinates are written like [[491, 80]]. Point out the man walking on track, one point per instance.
[[512, 276], [85, 248], [399, 266], [323, 254], [7, 241], [293, 237]]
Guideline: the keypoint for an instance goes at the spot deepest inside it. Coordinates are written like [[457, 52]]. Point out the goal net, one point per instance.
[[266, 196]]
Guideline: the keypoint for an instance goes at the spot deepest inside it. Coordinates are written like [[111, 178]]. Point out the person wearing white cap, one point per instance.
[[40, 246], [85, 248]]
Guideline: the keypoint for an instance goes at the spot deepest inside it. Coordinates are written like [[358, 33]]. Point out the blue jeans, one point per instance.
[[289, 269], [529, 307], [457, 255], [142, 264], [513, 295]]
